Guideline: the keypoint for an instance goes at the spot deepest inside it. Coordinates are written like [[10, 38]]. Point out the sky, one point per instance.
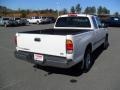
[[112, 5]]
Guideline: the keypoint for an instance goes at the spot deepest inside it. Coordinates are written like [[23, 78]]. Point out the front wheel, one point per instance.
[[106, 43]]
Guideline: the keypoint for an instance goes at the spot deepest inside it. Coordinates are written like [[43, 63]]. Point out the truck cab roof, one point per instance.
[[73, 14]]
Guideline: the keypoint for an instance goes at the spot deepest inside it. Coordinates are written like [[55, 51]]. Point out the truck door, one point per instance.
[[99, 32]]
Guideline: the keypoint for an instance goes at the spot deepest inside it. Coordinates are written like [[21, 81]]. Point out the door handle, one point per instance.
[[37, 39]]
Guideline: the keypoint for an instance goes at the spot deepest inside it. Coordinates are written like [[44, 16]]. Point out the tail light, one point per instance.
[[15, 38], [69, 46], [72, 14]]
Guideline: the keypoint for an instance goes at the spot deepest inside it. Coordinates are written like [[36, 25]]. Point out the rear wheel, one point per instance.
[[5, 25], [106, 43], [87, 62], [27, 23], [38, 22]]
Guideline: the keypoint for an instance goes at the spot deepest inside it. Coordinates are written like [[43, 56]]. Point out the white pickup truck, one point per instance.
[[35, 20], [71, 41]]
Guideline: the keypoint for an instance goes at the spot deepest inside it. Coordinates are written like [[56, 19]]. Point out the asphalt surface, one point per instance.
[[20, 75]]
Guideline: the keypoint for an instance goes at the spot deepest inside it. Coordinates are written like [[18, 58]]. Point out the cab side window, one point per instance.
[[94, 22], [99, 22]]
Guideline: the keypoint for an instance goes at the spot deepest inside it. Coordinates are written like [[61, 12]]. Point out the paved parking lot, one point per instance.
[[20, 75]]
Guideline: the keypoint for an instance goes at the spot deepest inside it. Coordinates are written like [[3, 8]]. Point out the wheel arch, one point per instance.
[[89, 46], [106, 35]]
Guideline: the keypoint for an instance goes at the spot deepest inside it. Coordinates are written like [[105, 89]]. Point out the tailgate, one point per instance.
[[43, 44]]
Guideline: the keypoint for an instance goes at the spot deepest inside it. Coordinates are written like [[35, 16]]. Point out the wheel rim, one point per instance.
[[88, 61]]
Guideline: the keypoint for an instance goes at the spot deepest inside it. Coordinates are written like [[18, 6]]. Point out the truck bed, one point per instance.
[[57, 31]]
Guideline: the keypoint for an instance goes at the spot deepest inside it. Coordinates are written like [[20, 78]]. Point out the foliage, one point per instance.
[[102, 10], [72, 9], [116, 13], [90, 10], [23, 14], [64, 11], [78, 8], [4, 11]]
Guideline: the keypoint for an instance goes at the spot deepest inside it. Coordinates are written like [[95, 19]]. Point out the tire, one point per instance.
[[38, 22], [27, 23], [87, 62], [5, 25], [106, 43]]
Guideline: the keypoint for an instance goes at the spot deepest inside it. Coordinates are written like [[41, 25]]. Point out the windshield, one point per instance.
[[73, 22], [5, 18], [17, 18], [36, 17], [44, 17]]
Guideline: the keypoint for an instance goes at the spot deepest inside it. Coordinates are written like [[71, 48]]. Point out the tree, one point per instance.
[[87, 11], [90, 10], [72, 9], [99, 10], [4, 10], [116, 13], [103, 10], [23, 13], [78, 8], [28, 11], [93, 10], [50, 10], [108, 12], [64, 11]]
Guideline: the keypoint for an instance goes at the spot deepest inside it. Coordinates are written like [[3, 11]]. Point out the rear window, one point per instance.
[[73, 22]]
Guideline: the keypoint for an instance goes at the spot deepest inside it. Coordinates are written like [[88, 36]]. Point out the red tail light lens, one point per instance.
[[69, 46]]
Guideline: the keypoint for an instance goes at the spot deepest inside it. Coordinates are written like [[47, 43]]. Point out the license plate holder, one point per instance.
[[38, 57]]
